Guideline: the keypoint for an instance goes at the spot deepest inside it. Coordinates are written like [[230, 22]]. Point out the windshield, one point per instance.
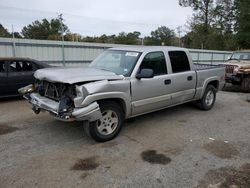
[[240, 56], [119, 62]]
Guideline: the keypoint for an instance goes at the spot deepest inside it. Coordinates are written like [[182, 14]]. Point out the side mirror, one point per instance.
[[145, 73]]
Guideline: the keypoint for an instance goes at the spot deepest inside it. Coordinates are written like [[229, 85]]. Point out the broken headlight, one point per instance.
[[236, 69], [81, 92], [27, 89]]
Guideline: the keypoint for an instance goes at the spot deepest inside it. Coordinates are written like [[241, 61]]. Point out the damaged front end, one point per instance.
[[59, 100]]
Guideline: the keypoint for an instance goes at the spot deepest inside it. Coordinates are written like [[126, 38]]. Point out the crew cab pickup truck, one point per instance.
[[123, 83]]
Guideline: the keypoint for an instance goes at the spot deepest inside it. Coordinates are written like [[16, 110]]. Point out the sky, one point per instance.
[[96, 17]]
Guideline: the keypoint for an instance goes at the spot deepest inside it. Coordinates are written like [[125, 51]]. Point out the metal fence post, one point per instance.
[[198, 59], [224, 58], [63, 54], [212, 58], [13, 43]]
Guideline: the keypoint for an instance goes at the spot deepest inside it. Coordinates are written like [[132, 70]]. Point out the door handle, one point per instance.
[[167, 82], [189, 78]]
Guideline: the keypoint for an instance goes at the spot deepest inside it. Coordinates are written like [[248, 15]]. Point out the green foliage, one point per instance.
[[121, 38], [128, 38], [4, 32], [243, 23], [161, 36], [44, 29], [212, 24]]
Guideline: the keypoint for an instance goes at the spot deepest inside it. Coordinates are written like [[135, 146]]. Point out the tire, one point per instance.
[[245, 84], [208, 99], [109, 126]]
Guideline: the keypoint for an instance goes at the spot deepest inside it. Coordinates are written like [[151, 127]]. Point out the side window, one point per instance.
[[155, 61], [27, 66], [2, 66], [20, 66], [179, 61]]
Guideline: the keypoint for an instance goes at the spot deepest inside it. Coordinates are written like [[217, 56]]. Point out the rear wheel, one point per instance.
[[245, 84], [109, 126], [208, 99]]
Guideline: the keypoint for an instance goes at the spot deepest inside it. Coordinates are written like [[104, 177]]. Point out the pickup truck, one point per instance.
[[238, 69], [122, 83]]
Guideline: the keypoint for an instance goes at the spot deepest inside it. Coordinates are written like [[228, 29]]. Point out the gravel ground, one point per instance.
[[177, 147]]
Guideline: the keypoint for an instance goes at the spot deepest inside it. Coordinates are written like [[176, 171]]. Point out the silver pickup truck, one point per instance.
[[122, 83]]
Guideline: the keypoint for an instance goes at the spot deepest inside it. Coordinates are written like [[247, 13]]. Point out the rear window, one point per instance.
[[179, 61]]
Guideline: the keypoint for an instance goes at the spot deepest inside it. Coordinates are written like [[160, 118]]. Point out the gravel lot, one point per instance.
[[178, 147]]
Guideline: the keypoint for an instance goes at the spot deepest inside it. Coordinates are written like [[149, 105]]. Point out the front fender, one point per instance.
[[101, 90], [110, 95]]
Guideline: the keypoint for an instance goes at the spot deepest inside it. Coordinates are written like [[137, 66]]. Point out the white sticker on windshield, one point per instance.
[[133, 54]]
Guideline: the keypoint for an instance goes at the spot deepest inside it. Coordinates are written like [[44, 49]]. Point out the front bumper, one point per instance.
[[232, 78], [90, 113]]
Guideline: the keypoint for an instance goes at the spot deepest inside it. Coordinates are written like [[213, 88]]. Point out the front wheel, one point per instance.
[[109, 126], [208, 99]]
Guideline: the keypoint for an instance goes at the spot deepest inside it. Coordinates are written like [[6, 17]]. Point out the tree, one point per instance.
[[128, 38], [242, 26], [224, 16], [161, 36], [44, 29], [4, 32], [203, 15], [211, 25]]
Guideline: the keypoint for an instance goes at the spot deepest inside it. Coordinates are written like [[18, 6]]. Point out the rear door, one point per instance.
[[3, 79], [183, 78], [20, 74]]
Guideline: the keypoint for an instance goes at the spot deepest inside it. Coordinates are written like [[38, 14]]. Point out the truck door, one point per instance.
[[183, 79], [149, 94], [3, 79]]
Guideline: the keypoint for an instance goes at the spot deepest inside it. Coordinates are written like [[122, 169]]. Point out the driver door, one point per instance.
[[150, 94]]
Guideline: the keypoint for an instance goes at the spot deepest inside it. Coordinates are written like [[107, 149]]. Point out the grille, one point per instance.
[[53, 90], [230, 69]]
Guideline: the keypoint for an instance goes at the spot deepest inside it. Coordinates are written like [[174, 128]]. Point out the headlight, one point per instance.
[[81, 91], [27, 89], [236, 69]]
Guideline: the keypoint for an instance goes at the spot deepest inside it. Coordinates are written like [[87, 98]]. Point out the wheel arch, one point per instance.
[[212, 81], [118, 101]]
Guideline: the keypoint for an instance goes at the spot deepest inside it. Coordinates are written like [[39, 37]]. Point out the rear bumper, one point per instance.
[[90, 113]]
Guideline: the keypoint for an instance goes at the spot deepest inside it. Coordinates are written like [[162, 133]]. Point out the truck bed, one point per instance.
[[204, 72], [199, 66]]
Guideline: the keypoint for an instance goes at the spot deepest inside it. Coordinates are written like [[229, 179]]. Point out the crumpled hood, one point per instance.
[[75, 75]]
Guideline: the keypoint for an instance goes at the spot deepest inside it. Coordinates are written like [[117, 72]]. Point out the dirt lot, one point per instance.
[[177, 147]]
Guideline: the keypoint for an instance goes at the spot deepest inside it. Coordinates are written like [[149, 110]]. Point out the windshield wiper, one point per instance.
[[105, 70]]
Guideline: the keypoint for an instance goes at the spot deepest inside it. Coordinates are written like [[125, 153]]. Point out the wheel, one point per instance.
[[245, 84], [109, 126], [208, 99]]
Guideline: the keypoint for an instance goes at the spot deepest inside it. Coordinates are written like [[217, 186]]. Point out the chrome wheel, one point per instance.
[[108, 123], [209, 98]]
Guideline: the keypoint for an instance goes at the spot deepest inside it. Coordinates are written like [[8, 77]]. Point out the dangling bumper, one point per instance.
[[90, 113]]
